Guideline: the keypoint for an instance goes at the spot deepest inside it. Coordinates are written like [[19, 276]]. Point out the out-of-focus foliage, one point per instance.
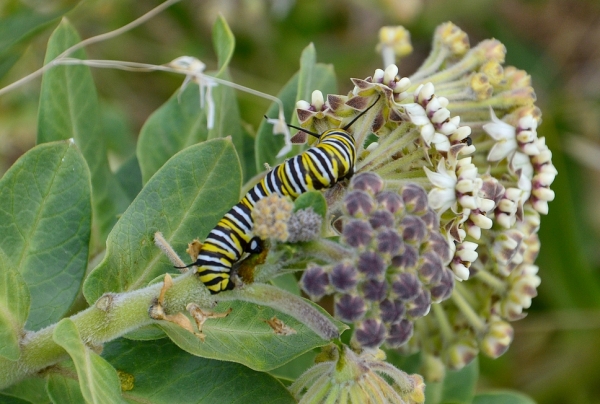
[[555, 355]]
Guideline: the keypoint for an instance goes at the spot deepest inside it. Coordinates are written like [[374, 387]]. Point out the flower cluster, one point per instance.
[[396, 266], [487, 181], [342, 376]]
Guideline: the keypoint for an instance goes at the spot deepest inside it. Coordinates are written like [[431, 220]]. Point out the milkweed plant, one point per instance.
[[384, 287]]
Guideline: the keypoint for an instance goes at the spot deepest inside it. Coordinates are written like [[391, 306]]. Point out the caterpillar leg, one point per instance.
[[200, 316]]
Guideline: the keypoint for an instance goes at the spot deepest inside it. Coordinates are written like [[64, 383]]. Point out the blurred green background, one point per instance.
[[555, 357]]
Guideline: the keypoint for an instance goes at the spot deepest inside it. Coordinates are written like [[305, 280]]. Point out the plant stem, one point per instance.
[[113, 315]]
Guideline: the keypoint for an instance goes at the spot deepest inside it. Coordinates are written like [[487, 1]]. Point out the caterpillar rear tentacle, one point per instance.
[[323, 165]]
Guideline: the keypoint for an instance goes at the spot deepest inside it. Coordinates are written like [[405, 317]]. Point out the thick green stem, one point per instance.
[[113, 315]]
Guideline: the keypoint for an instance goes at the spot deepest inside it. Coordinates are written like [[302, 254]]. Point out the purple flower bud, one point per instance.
[[375, 290], [444, 288], [431, 219], [381, 218], [371, 264], [390, 201], [389, 242], [343, 277], [406, 286], [414, 229], [438, 245], [408, 259], [420, 306], [391, 310], [358, 203], [399, 333], [431, 268], [357, 233], [415, 198], [370, 333], [314, 282], [369, 182], [349, 308]]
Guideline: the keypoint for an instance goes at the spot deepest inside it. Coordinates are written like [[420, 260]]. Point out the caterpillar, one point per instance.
[[323, 165]]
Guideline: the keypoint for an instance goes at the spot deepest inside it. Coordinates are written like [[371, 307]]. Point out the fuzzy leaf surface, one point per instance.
[[69, 109], [14, 307], [244, 337], [63, 390], [98, 380], [45, 218], [184, 200], [163, 373]]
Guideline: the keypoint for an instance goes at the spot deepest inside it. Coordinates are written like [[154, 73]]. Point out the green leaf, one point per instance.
[[14, 307], [98, 380], [163, 373], [17, 27], [31, 390], [502, 397], [45, 217], [177, 124], [5, 399], [182, 122], [130, 177], [320, 77], [63, 390], [458, 387], [184, 200], [312, 199], [246, 338], [69, 109], [223, 42]]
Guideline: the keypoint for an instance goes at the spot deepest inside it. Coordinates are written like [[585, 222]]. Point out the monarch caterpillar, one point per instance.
[[321, 166]]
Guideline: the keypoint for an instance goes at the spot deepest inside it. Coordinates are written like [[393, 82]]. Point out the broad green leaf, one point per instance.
[[182, 122], [244, 337], [458, 387], [223, 42], [6, 399], [184, 200], [502, 397], [130, 177], [69, 109], [163, 373], [30, 390], [267, 144], [45, 217], [18, 26], [312, 199], [14, 307], [177, 124], [63, 390], [98, 380]]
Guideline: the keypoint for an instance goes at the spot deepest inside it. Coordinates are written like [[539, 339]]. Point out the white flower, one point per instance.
[[504, 135], [443, 194], [465, 254]]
